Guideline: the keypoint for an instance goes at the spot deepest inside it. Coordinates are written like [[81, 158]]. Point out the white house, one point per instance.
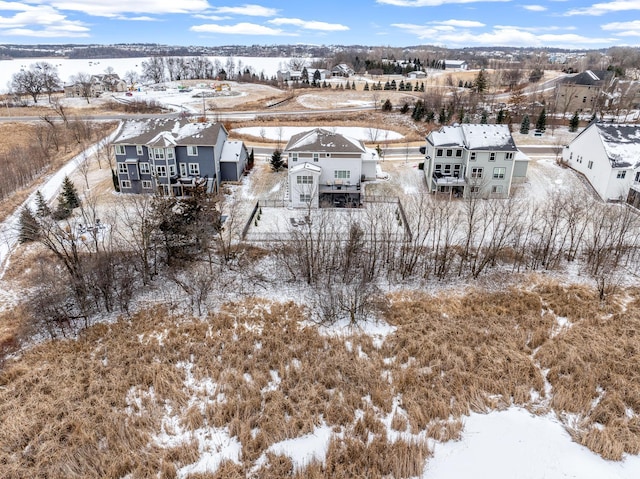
[[456, 65], [608, 155], [473, 159], [327, 169]]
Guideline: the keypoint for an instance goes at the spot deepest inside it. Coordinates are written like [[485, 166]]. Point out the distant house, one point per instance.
[[289, 75], [482, 160], [417, 74], [608, 155], [170, 157], [342, 70], [456, 65], [327, 169], [102, 83], [584, 92]]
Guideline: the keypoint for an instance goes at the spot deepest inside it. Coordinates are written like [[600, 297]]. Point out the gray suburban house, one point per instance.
[[482, 160], [170, 157]]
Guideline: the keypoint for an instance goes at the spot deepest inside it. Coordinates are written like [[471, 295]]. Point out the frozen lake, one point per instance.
[[66, 68]]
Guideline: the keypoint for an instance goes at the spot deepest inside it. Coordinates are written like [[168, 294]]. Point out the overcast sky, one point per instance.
[[449, 23]]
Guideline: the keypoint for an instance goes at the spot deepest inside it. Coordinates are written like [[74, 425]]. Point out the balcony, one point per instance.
[[339, 185], [447, 180]]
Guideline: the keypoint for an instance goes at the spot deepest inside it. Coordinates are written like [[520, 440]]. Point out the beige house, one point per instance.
[[584, 92]]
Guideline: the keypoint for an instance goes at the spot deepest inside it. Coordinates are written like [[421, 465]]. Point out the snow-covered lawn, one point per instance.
[[283, 133], [517, 444]]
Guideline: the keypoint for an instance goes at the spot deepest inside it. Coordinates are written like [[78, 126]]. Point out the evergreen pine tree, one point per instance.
[[69, 195], [574, 122], [366, 86], [348, 86], [483, 118], [42, 209], [387, 106], [304, 76], [442, 117], [116, 181], [500, 117], [541, 123], [277, 162], [404, 108], [29, 227], [524, 126], [353, 85], [250, 160], [480, 82]]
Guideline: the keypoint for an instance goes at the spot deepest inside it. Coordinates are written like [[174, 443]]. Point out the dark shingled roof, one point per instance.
[[323, 140], [168, 132]]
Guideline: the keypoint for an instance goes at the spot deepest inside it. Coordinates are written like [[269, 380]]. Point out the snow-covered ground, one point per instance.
[[517, 444], [283, 133]]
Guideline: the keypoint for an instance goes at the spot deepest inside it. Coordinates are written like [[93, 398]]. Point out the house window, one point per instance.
[[192, 150], [508, 155], [125, 184], [342, 174], [120, 150], [146, 184], [150, 150], [449, 152], [447, 169], [158, 153], [498, 173], [473, 156], [458, 153], [170, 154], [183, 169], [305, 197], [476, 172], [144, 168], [456, 171], [571, 155], [637, 177], [438, 167], [304, 180], [139, 150], [496, 189], [590, 165], [194, 169], [294, 157], [161, 170], [475, 189], [122, 169], [492, 156], [172, 170], [316, 157], [439, 152], [621, 174]]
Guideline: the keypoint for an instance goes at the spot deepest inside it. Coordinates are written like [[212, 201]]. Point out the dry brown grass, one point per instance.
[[95, 407]]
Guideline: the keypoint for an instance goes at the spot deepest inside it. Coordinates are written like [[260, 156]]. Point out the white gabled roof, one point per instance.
[[474, 137], [621, 143], [231, 151], [305, 167]]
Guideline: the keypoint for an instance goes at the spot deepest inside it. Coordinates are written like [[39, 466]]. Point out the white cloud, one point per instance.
[[598, 9], [634, 25], [310, 25], [430, 3], [238, 29], [460, 23], [114, 8], [624, 29], [38, 21], [534, 8], [502, 36], [139, 19], [213, 18], [248, 10]]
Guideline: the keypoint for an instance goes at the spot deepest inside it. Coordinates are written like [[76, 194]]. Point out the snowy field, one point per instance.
[[283, 133], [66, 67]]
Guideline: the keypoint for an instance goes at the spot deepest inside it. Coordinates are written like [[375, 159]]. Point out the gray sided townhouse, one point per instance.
[[170, 157], [481, 160]]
